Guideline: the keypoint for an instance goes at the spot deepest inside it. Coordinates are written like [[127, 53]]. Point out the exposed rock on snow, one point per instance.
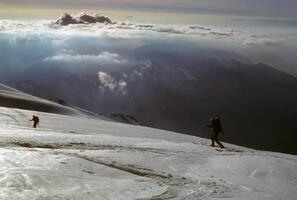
[[102, 19], [82, 18], [65, 20], [123, 118]]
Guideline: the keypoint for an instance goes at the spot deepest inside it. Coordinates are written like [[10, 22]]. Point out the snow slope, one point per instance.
[[84, 157], [10, 97]]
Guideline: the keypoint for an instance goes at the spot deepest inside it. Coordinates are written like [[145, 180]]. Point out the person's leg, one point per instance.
[[217, 141], [34, 125], [212, 139]]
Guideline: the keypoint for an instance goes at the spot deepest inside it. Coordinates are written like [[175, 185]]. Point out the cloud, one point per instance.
[[102, 58], [138, 30], [23, 39], [117, 81], [188, 30], [264, 40], [107, 82], [117, 29], [59, 42]]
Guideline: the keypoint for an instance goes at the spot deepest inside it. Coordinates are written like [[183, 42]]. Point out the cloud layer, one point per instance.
[[134, 30], [102, 58]]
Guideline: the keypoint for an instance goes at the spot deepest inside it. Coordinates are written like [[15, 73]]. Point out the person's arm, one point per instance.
[[208, 125]]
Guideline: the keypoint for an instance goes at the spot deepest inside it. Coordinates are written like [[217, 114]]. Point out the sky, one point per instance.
[[269, 8]]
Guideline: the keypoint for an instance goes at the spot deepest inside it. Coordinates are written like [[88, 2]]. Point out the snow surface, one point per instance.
[[10, 97], [84, 157], [69, 157]]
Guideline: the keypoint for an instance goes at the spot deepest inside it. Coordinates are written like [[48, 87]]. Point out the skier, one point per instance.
[[35, 120], [215, 124]]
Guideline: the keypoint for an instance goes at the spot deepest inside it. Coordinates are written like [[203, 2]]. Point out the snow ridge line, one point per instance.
[[132, 169], [84, 146]]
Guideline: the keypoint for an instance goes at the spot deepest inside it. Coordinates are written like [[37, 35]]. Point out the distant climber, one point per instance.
[[35, 120], [215, 124]]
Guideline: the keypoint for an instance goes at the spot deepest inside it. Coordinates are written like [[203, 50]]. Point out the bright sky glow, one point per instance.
[[271, 8]]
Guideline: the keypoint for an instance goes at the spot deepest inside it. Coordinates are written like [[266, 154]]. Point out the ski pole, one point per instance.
[[203, 130]]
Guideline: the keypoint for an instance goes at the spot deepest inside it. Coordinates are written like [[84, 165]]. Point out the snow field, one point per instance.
[[82, 157]]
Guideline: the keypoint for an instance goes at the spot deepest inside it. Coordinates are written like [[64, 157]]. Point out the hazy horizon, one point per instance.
[[264, 8], [276, 35]]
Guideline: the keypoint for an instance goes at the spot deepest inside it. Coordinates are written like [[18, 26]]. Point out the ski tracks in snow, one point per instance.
[[178, 187]]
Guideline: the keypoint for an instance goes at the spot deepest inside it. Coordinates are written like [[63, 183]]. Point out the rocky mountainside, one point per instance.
[[81, 18], [257, 102], [165, 86]]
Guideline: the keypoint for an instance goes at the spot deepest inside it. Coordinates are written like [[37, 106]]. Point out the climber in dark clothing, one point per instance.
[[215, 124], [35, 120]]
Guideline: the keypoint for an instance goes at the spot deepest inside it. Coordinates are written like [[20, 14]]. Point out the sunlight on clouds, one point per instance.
[[110, 83], [102, 58], [49, 31]]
